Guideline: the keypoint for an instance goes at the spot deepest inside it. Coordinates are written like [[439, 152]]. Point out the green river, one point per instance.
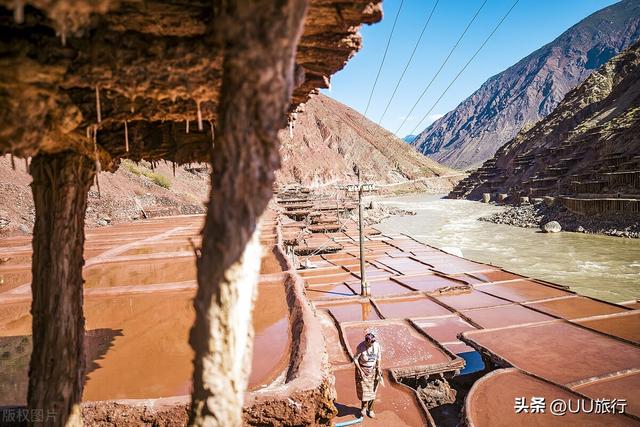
[[599, 266]]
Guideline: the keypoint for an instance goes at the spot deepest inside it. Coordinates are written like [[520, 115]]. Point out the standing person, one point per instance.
[[368, 373]]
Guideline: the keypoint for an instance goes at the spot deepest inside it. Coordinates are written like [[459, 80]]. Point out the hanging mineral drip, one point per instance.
[[199, 117], [126, 137], [63, 38], [213, 138], [187, 125], [98, 110], [18, 11], [95, 152], [174, 169]]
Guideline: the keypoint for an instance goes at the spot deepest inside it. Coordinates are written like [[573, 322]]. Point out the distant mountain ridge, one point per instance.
[[528, 91], [586, 150], [329, 140]]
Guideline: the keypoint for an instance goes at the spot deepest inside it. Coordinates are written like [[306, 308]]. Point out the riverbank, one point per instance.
[[596, 265], [538, 214]]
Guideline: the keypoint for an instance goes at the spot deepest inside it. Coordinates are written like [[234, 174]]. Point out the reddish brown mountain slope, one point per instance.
[[330, 139]]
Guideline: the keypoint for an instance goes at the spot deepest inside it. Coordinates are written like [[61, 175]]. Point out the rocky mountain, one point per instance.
[[526, 92], [586, 152], [329, 140]]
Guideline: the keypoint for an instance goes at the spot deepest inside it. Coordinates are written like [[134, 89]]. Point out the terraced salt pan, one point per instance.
[[523, 291], [558, 351], [401, 345], [491, 401], [137, 341], [407, 307], [396, 405]]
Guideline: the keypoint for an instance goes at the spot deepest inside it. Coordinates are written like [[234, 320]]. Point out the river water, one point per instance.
[[599, 266]]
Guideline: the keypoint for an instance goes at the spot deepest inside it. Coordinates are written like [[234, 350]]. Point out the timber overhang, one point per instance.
[[138, 79]]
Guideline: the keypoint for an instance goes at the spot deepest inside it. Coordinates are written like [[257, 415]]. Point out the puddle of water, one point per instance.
[[144, 272], [600, 266], [472, 362], [271, 335]]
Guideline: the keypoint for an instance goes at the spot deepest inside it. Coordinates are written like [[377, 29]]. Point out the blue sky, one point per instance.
[[530, 25]]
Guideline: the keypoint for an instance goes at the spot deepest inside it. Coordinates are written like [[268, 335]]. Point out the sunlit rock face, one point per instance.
[[529, 90]]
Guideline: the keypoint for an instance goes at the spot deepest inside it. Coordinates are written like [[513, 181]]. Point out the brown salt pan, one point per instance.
[[444, 329], [504, 315], [354, 312], [395, 405], [467, 300], [404, 265], [491, 401], [381, 287], [321, 292], [496, 276], [401, 345], [523, 291], [626, 325], [271, 335], [143, 272], [576, 307], [328, 279], [578, 353], [427, 282], [619, 387], [407, 307]]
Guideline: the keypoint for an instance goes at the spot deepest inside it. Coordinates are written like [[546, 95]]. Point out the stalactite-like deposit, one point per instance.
[[18, 12], [98, 110], [126, 137], [199, 117], [94, 132]]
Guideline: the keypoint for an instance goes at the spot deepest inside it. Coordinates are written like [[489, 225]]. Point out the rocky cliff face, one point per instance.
[[329, 140], [587, 149], [526, 92]]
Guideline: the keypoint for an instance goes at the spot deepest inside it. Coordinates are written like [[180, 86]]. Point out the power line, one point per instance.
[[441, 66], [409, 61], [384, 56], [465, 66]]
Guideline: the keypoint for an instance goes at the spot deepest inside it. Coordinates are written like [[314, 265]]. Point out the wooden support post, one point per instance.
[[259, 40], [60, 186]]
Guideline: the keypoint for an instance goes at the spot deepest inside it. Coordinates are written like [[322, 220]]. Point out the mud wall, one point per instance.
[[307, 394], [599, 206]]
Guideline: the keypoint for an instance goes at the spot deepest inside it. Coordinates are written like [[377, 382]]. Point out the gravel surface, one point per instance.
[[536, 215]]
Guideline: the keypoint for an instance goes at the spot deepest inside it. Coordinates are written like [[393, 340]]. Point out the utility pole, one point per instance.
[[360, 188]]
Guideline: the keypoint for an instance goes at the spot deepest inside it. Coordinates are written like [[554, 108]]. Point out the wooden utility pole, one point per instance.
[[360, 188]]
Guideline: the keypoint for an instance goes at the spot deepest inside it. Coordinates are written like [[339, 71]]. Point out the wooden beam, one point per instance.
[[60, 186], [259, 39]]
